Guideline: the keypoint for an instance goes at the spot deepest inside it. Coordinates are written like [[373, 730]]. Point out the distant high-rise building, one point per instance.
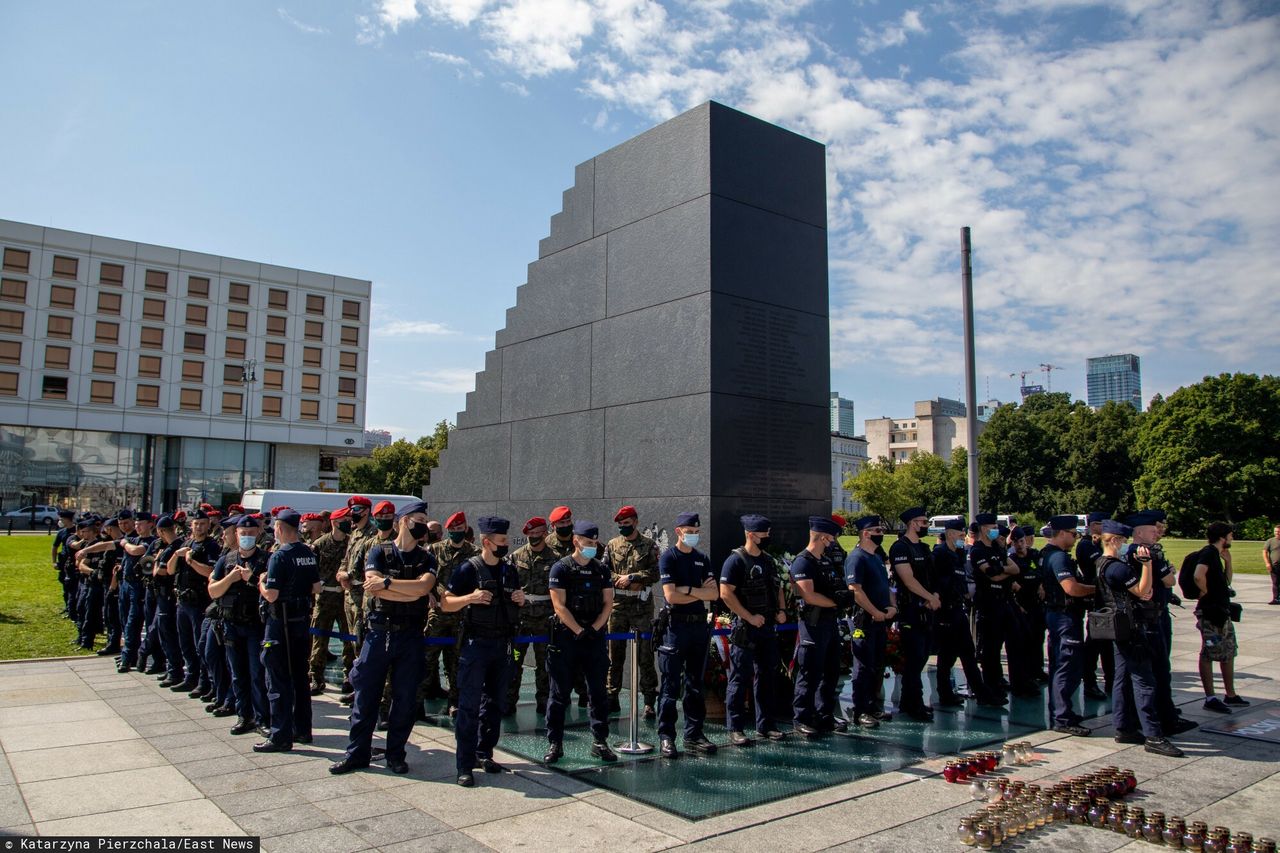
[[938, 427], [1115, 377], [376, 438], [987, 409], [842, 422]]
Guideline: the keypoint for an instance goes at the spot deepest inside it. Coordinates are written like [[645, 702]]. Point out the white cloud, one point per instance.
[[445, 380], [460, 64], [516, 88], [412, 328], [309, 29], [537, 37], [393, 13], [892, 34]]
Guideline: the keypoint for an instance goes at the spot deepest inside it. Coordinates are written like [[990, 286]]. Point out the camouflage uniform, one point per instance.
[[534, 568], [632, 611], [330, 607], [353, 564], [440, 624]]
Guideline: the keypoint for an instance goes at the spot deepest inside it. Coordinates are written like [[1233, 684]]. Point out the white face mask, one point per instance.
[[589, 552], [691, 540], [247, 542]]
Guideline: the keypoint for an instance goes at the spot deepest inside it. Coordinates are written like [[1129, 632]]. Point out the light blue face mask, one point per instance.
[[590, 552], [247, 542], [691, 540], [993, 534]]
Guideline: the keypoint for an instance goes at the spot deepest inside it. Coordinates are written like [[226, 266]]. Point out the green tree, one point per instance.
[[400, 468], [1015, 462], [930, 481], [1212, 451], [1100, 464], [878, 489]]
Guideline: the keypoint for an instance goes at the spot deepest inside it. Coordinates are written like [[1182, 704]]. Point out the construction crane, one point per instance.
[[1048, 375]]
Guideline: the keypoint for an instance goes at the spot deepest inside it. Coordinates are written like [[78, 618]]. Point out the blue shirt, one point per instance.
[[292, 571], [1057, 568], [463, 580], [567, 574], [737, 565], [681, 569], [868, 571], [386, 559]]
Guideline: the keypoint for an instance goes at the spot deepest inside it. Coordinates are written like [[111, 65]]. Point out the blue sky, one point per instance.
[[1117, 161]]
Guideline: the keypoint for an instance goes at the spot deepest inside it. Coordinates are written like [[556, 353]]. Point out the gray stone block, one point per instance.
[[484, 405], [768, 352], [557, 459], [767, 257], [658, 352], [762, 165], [765, 449], [550, 375], [573, 223], [564, 290], [663, 257], [658, 448], [475, 467]]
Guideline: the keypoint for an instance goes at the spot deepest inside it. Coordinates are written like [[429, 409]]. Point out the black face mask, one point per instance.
[[626, 530], [500, 551], [432, 536], [418, 530], [344, 526], [535, 541], [565, 532], [382, 523], [456, 536], [876, 538], [762, 541]]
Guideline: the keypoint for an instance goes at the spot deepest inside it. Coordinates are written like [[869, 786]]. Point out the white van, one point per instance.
[[936, 522], [262, 500]]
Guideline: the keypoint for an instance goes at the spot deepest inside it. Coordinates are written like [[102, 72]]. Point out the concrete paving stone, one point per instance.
[[39, 765], [282, 821], [1252, 809], [6, 772], [68, 712], [198, 817], [20, 830], [23, 738], [10, 698], [183, 739], [331, 839], [503, 796], [359, 806], [230, 783], [13, 811], [575, 826], [261, 800], [332, 787], [160, 723], [39, 681], [614, 804], [215, 750], [445, 842], [220, 766], [394, 827], [565, 784], [275, 759], [55, 799], [306, 770]]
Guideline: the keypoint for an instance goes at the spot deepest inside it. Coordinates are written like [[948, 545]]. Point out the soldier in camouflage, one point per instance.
[[533, 562], [351, 575], [632, 560], [330, 607], [455, 549]]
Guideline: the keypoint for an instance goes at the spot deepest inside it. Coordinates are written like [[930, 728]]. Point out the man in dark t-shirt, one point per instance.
[[867, 577], [1213, 618]]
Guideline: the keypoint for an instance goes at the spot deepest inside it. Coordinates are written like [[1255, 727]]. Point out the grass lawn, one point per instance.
[[31, 601]]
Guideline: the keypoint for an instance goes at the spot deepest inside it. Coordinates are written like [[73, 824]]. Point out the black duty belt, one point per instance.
[[689, 618]]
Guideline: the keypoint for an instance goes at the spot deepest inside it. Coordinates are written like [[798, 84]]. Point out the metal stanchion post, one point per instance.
[[633, 746]]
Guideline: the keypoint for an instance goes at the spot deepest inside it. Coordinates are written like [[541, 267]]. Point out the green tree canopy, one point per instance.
[[400, 468]]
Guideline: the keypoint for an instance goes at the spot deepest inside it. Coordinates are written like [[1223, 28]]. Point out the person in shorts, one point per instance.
[[1213, 618]]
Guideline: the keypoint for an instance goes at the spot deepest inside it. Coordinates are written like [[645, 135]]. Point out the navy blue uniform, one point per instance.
[[1088, 555], [995, 611], [64, 561], [132, 599], [192, 590], [952, 623], [1027, 599], [292, 572], [682, 656], [485, 657], [753, 652], [1134, 697], [166, 615], [242, 632], [586, 655], [1163, 598], [392, 644], [915, 619], [1064, 615], [817, 657], [870, 573]]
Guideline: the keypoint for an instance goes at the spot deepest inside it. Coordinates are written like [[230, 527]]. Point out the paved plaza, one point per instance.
[[90, 751]]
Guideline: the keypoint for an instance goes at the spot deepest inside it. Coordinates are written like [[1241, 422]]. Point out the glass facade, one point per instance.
[[79, 469], [1114, 377], [198, 470]]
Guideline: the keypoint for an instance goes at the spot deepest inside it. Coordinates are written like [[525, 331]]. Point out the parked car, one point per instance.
[[32, 516]]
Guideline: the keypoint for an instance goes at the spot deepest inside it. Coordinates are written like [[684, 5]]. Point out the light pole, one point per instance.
[[247, 377]]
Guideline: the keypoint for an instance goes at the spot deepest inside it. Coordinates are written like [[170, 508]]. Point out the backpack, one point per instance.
[[1187, 576]]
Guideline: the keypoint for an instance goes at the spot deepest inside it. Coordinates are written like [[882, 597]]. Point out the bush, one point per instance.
[[1258, 528]]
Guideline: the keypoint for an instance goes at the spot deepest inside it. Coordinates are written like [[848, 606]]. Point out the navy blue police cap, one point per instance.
[[1063, 522], [586, 529], [111, 522], [984, 518], [125, 513], [411, 507], [492, 524], [85, 521], [197, 513], [1002, 530], [248, 522], [1115, 528], [66, 513], [824, 524], [229, 521], [1095, 517], [289, 516], [953, 524], [688, 519], [143, 516], [868, 521], [1016, 533], [756, 524], [1160, 515], [914, 512], [165, 521], [1028, 530], [1142, 518]]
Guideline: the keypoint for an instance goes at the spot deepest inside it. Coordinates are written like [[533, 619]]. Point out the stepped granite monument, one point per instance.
[[670, 348]]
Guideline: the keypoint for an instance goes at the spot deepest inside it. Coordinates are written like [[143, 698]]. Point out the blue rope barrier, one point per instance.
[[535, 638]]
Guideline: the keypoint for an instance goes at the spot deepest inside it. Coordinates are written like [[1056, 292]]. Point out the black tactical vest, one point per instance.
[[757, 592], [499, 618], [239, 603], [584, 592], [394, 567]]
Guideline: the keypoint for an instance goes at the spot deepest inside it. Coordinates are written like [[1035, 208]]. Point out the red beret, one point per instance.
[[456, 518], [257, 515], [536, 521], [384, 506], [275, 510], [180, 515], [213, 513], [561, 513], [359, 500], [312, 516], [236, 509], [206, 507], [339, 513], [839, 519], [626, 512]]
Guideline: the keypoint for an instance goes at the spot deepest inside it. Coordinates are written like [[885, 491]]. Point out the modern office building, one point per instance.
[[937, 427], [1114, 377], [133, 374], [848, 455], [842, 420]]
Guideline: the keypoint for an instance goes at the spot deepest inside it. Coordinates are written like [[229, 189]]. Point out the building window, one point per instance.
[[152, 338], [232, 403], [58, 327], [157, 280], [197, 287], [238, 293], [277, 325], [147, 396], [149, 366], [8, 384], [197, 315], [12, 322], [348, 361], [235, 348], [346, 386], [62, 297], [312, 357], [238, 320], [111, 274], [271, 407], [313, 330], [104, 361], [190, 399], [17, 260], [13, 290], [274, 352], [193, 342], [232, 374], [277, 298], [53, 388], [346, 413], [272, 379], [351, 336], [11, 352], [57, 358], [192, 371], [153, 309], [310, 410], [106, 333], [315, 304], [350, 310], [108, 303], [64, 267], [311, 383], [102, 391]]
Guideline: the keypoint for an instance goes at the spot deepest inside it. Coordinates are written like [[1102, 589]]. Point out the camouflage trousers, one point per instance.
[[533, 623], [329, 611], [631, 614], [441, 624]]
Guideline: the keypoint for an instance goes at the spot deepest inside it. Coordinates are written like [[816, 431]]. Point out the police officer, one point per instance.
[[63, 562], [817, 657], [632, 561], [1171, 720], [1088, 552], [750, 590], [133, 589], [1065, 594], [97, 560], [330, 609], [909, 564], [162, 584], [951, 625], [450, 553], [487, 589], [233, 585], [220, 697], [867, 577], [688, 582], [152, 658], [350, 575], [191, 564], [1028, 600], [85, 534], [398, 576], [582, 596], [533, 562], [993, 572], [1127, 583], [291, 579]]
